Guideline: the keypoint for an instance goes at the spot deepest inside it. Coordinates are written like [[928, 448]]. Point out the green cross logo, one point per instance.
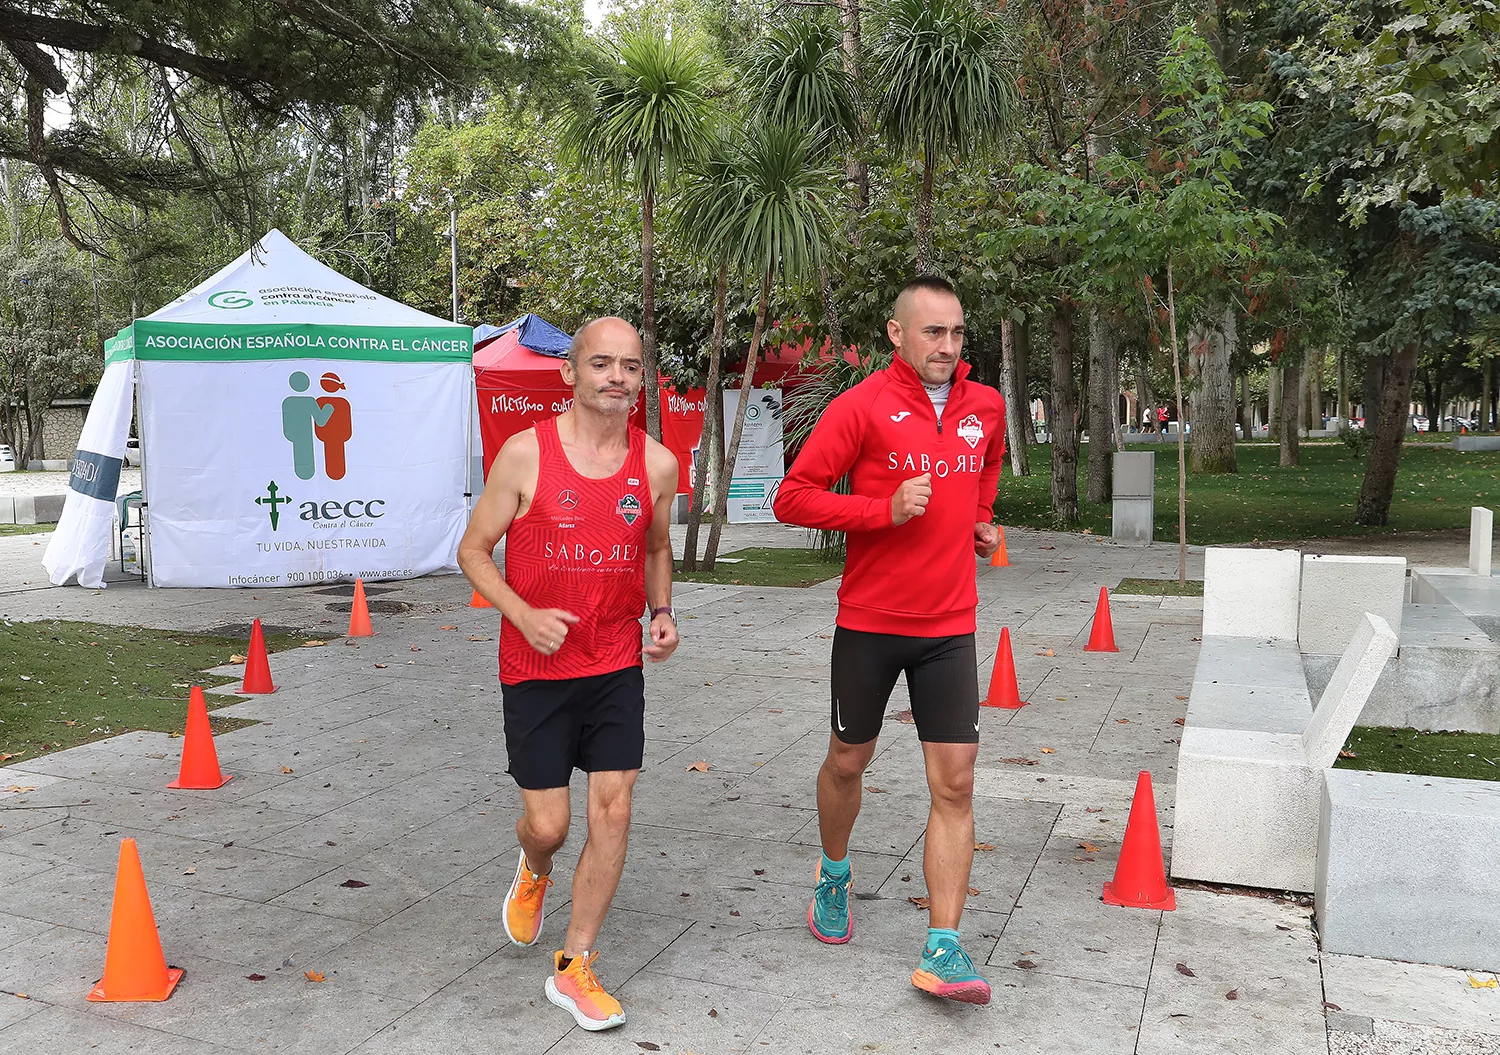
[[272, 502]]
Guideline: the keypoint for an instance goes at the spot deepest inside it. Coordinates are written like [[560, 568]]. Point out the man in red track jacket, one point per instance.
[[922, 446]]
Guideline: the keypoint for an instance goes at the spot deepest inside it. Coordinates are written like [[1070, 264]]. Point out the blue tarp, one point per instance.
[[536, 333]]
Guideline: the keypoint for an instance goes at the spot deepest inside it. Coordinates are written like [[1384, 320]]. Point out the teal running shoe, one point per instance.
[[948, 972], [828, 915]]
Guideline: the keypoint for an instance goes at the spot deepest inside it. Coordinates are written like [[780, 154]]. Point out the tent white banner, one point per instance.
[[290, 472], [80, 544]]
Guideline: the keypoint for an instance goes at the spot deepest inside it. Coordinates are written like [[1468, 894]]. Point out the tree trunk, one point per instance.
[[1385, 449], [1343, 383], [1181, 452], [924, 215], [1061, 424], [649, 356], [1022, 336], [713, 404], [747, 385], [856, 170], [1101, 407], [831, 309], [1275, 382], [1212, 348], [1247, 409], [1291, 379], [1486, 387], [1375, 370], [1015, 431]]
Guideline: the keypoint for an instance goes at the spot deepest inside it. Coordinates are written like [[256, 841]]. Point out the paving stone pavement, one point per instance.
[[382, 761]]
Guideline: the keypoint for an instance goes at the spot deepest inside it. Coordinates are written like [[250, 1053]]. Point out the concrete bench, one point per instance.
[[1249, 790], [1406, 868]]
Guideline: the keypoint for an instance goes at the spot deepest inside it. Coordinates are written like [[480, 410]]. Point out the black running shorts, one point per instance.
[[594, 724], [941, 675]]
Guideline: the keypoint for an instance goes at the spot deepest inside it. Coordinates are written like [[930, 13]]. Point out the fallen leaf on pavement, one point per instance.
[[920, 902], [646, 1045], [1049, 750], [1182, 697], [477, 637], [760, 871], [984, 846], [314, 644], [1046, 652], [256, 977], [447, 628], [1025, 965], [905, 717], [1088, 847], [20, 788], [1020, 761], [1233, 994], [1179, 721], [1093, 809], [1486, 983], [286, 769], [1281, 926], [415, 648], [973, 891], [313, 976], [236, 660], [1184, 969], [191, 872], [700, 767], [381, 666], [713, 1013], [353, 884], [873, 790], [1122, 721], [774, 710], [1330, 1007]]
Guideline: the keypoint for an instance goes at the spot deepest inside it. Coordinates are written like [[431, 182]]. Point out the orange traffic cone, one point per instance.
[[1000, 560], [200, 762], [257, 666], [478, 601], [134, 967], [359, 614], [1140, 879], [1003, 689], [1102, 637]]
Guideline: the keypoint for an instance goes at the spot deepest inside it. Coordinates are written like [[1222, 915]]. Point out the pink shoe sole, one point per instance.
[[825, 939], [967, 992]]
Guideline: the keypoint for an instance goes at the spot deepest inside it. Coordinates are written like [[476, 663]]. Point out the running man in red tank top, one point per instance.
[[583, 501]]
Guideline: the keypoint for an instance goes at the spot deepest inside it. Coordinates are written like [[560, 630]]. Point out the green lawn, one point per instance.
[[1475, 756], [1160, 587], [1264, 502], [766, 567], [25, 529], [66, 683]]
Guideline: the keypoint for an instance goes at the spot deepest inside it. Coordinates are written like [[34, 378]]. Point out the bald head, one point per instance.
[[927, 329], [607, 329]]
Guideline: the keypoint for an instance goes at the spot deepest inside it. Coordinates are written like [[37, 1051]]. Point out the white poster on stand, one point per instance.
[[759, 469]]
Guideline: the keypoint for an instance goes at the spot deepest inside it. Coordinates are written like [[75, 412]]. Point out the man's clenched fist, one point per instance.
[[911, 498]]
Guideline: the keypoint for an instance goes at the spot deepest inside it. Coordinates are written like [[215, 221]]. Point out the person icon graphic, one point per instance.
[[336, 429], [300, 417]]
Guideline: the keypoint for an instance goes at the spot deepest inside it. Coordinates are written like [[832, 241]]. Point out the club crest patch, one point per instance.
[[970, 430], [629, 507]]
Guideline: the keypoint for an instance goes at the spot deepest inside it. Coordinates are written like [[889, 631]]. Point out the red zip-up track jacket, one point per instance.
[[915, 579]]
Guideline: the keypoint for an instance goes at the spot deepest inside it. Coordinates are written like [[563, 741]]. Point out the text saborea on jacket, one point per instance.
[[915, 579]]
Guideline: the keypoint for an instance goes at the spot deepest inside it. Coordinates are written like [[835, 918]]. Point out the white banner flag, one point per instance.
[[288, 472], [759, 467], [80, 544]]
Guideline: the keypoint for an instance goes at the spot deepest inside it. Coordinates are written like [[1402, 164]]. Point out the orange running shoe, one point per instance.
[[523, 905], [578, 991]]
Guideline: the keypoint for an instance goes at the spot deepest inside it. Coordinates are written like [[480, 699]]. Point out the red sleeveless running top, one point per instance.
[[580, 547]]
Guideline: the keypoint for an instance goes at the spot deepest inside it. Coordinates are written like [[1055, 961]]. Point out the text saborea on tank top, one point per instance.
[[580, 547]]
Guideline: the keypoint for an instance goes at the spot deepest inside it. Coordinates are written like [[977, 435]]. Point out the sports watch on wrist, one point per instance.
[[666, 610]]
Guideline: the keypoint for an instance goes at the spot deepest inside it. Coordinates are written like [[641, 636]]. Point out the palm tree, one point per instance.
[[945, 90], [777, 228], [797, 75], [643, 114], [704, 215]]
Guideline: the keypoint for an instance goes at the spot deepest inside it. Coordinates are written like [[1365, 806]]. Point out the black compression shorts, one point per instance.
[[593, 724], [941, 675]]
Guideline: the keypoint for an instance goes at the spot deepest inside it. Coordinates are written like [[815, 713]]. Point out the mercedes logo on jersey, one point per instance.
[[567, 499]]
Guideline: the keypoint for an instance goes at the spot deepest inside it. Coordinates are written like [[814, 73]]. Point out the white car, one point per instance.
[[132, 451], [7, 458]]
